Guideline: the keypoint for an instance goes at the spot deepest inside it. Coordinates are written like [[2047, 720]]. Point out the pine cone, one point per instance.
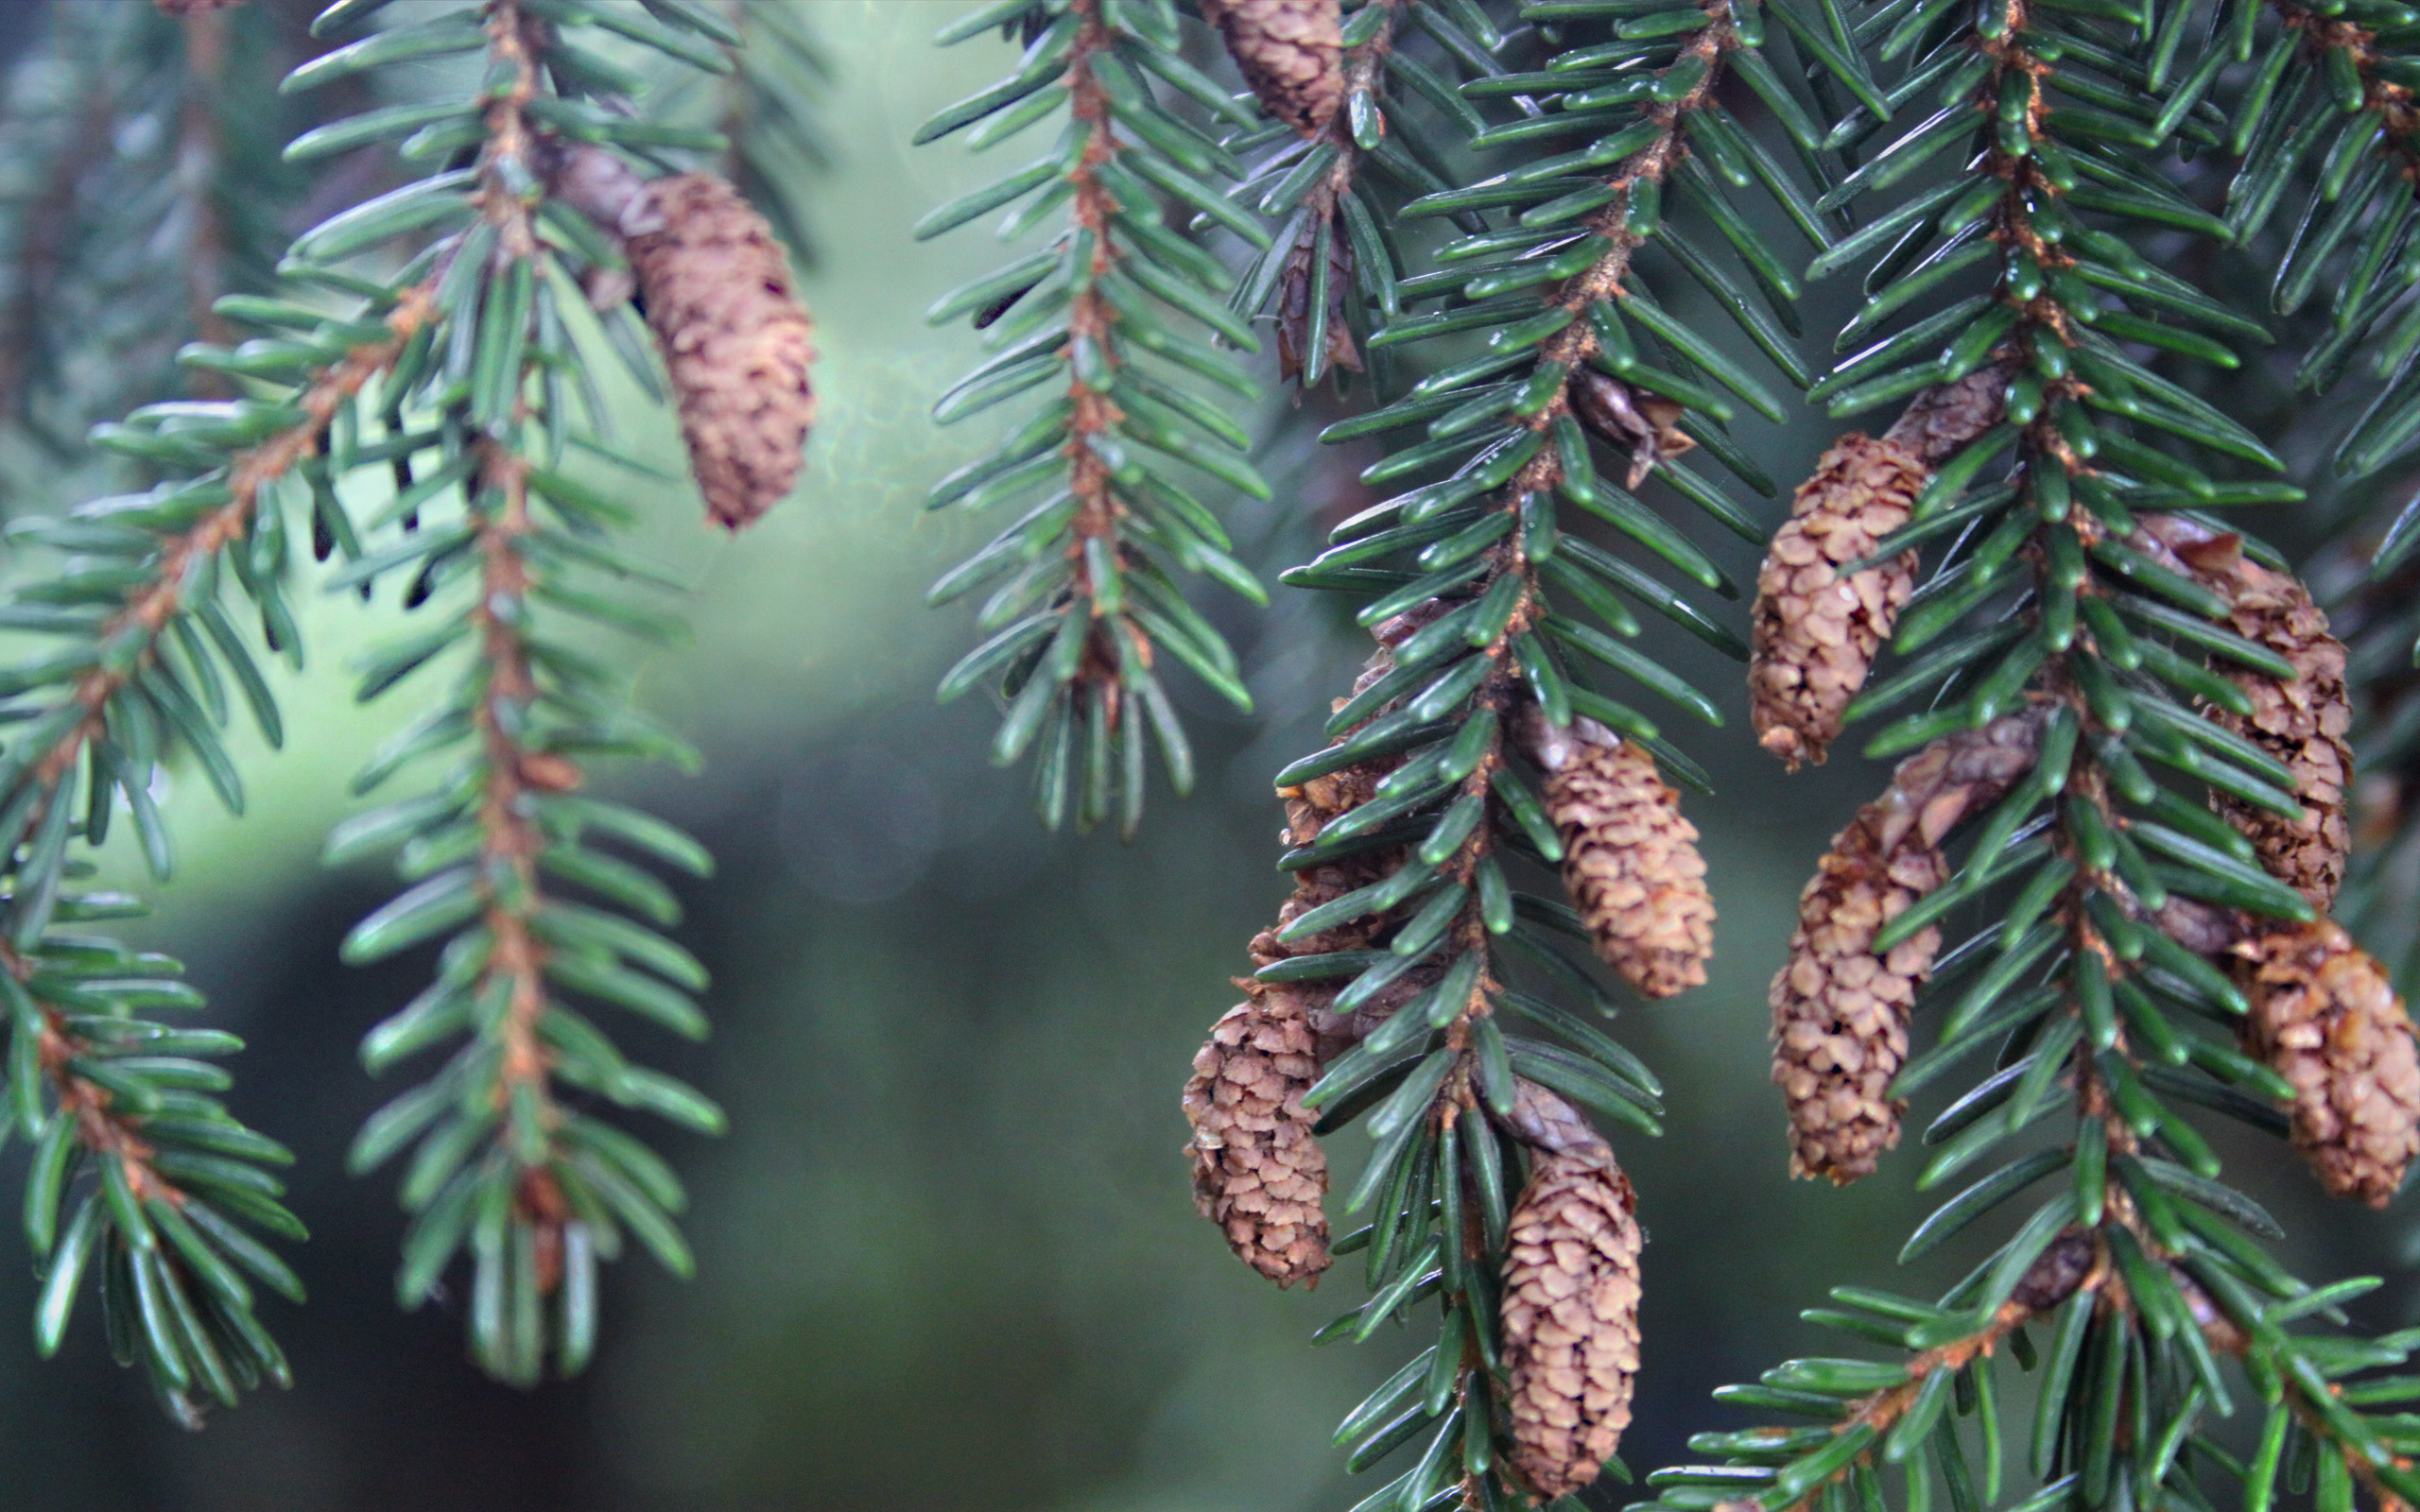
[[195, 8], [2301, 723], [1630, 860], [1258, 1172], [2325, 1018], [1291, 53], [734, 337], [1570, 1308], [1816, 632], [1840, 1011]]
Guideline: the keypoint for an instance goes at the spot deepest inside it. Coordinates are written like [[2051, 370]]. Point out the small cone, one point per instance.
[[1630, 859], [1815, 631], [195, 8], [2301, 723], [734, 337], [1570, 1309], [1291, 53], [2325, 1018], [1257, 1172], [1840, 1011]]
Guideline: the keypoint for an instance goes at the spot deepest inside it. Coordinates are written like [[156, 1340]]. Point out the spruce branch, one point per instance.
[[1333, 242], [1091, 600], [1467, 754], [509, 1168], [175, 1182], [155, 200], [2091, 600]]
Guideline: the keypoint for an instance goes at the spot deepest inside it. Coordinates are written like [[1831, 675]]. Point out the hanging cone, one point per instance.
[[1570, 1302], [1257, 1172], [1291, 53], [1815, 631], [2325, 1018], [737, 341], [2301, 722], [1630, 859], [1839, 1010]]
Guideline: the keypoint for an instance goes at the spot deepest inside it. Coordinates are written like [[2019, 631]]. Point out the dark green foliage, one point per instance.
[[441, 335], [1545, 364], [1119, 322], [139, 192], [501, 543], [2034, 197], [2150, 1310]]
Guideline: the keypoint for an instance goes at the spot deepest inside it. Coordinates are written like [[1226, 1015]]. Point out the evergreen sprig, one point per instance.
[[2328, 112], [501, 547], [145, 196], [1413, 829], [1332, 268], [2109, 597], [464, 374], [142, 654], [1086, 586]]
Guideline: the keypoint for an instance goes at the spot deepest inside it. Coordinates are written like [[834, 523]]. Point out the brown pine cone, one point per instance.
[[195, 8], [1815, 632], [1291, 53], [1570, 1308], [2301, 723], [1630, 860], [1840, 1011], [734, 337], [2325, 1018], [1258, 1172]]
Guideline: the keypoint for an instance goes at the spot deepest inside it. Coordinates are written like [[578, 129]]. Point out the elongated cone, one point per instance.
[[1817, 627], [195, 8], [1630, 860], [1571, 1300], [2325, 1018], [1291, 53], [1841, 1010], [1815, 630], [1257, 1172], [734, 337], [2301, 722]]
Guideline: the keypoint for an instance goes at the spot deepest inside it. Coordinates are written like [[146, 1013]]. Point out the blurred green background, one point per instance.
[[947, 1256]]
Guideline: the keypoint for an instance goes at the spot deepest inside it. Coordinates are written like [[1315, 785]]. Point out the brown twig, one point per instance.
[[1091, 321], [510, 844]]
